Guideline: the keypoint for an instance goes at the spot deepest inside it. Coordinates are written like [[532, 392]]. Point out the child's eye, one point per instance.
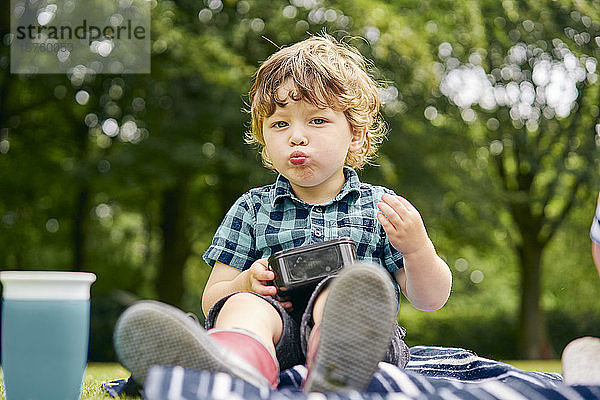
[[279, 124], [318, 121]]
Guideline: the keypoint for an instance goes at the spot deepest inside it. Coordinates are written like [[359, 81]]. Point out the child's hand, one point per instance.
[[258, 277], [402, 223], [258, 280]]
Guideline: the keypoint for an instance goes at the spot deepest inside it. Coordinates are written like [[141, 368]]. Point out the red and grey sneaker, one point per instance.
[[152, 333], [354, 335]]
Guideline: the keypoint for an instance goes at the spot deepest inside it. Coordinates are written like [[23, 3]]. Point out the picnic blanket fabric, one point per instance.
[[432, 373]]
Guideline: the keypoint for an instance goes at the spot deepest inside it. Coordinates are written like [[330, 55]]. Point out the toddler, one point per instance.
[[315, 118]]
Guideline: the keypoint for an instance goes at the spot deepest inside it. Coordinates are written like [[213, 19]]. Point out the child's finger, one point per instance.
[[264, 289], [411, 211], [392, 216], [398, 203], [406, 203], [265, 275], [263, 263], [287, 305], [387, 225], [261, 271]]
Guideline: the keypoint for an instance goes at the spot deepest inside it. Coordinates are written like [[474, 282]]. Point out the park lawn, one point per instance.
[[97, 373], [537, 365]]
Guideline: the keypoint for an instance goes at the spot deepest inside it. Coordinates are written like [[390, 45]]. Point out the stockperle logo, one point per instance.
[[60, 36]]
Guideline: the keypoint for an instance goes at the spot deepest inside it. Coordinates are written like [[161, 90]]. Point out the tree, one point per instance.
[[529, 94], [129, 176]]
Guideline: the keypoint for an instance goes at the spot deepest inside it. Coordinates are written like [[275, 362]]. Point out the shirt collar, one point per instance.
[[283, 188]]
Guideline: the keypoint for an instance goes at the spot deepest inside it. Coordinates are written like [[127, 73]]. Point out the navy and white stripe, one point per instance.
[[432, 373]]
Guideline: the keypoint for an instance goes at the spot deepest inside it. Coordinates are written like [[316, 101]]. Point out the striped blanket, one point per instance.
[[432, 373]]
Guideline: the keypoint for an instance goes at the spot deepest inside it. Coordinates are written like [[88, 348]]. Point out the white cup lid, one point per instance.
[[46, 285]]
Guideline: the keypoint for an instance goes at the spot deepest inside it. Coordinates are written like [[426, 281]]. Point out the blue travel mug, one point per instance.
[[45, 333]]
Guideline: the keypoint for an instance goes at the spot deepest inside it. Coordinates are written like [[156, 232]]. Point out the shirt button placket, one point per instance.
[[318, 224]]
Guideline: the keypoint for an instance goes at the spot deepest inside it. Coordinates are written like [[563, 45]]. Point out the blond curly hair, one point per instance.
[[328, 74]]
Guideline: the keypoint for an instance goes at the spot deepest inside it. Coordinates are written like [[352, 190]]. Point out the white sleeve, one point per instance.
[[595, 229]]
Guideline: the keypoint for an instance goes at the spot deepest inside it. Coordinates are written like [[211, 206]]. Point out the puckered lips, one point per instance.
[[298, 158]]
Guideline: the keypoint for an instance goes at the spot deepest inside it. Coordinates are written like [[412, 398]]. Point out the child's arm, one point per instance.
[[224, 280], [425, 279]]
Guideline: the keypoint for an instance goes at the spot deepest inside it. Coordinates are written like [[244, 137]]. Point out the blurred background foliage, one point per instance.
[[494, 126]]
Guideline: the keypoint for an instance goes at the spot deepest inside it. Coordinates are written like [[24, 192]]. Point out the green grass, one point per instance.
[[537, 365], [97, 373]]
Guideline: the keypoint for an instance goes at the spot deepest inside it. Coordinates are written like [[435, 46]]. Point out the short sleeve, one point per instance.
[[393, 259], [595, 229], [234, 243]]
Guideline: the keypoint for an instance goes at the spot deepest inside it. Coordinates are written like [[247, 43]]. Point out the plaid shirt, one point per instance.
[[595, 229], [271, 218]]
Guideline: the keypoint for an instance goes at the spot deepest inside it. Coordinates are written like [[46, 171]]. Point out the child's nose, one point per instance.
[[297, 138]]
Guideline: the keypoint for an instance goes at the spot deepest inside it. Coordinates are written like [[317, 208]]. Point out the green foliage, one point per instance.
[[87, 161], [494, 335]]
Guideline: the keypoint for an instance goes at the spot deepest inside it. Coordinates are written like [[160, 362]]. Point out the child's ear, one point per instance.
[[358, 139]]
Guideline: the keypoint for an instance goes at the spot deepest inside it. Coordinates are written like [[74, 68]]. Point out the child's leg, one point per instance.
[[251, 313], [151, 333], [319, 306], [268, 320], [355, 321]]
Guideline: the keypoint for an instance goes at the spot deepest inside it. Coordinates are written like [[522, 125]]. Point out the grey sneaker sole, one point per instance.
[[358, 324], [152, 333]]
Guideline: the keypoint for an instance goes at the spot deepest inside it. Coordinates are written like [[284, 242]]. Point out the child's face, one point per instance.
[[308, 145]]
